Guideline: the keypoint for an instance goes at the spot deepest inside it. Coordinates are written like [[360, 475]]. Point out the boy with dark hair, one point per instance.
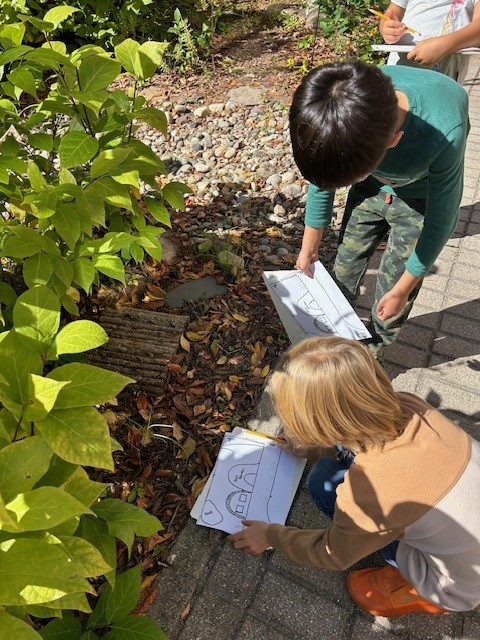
[[398, 135]]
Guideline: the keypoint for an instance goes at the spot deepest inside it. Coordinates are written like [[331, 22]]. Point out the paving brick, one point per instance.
[[471, 629], [466, 273], [211, 617], [462, 325], [405, 355], [417, 626], [439, 280], [255, 630], [453, 347], [234, 574], [175, 593], [468, 290], [301, 612], [422, 315]]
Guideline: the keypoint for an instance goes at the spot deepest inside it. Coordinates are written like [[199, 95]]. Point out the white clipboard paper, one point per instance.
[[313, 306], [406, 48], [253, 479]]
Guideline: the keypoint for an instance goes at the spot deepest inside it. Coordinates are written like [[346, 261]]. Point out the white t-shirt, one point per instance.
[[435, 18]]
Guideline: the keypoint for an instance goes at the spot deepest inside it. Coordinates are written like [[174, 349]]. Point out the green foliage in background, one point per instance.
[[349, 26]]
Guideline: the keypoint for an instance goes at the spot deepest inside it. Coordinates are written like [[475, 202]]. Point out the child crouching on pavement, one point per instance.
[[411, 489]]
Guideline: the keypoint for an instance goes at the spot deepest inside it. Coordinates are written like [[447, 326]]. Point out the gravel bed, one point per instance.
[[237, 160]]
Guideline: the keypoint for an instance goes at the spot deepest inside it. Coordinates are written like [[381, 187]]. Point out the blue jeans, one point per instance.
[[323, 481]]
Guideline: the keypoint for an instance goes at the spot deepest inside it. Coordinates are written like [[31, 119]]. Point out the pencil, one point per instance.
[[382, 16]]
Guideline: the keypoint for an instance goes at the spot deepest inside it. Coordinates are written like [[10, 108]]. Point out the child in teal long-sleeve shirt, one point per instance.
[[398, 135]]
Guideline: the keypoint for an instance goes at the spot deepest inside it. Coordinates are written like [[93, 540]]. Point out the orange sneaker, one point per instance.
[[383, 591]]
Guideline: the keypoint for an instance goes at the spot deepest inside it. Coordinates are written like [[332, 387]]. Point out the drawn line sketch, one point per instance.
[[317, 304], [234, 497]]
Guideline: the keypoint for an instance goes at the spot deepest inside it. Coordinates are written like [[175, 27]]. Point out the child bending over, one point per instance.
[[398, 135], [388, 496]]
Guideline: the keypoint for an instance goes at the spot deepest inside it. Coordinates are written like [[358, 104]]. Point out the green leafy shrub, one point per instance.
[[110, 22], [71, 169], [349, 26], [55, 535]]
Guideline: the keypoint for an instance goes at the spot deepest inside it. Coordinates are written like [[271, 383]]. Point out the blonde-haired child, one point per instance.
[[445, 27], [389, 495]]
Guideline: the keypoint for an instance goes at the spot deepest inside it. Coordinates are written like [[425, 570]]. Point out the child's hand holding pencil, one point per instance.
[[391, 27]]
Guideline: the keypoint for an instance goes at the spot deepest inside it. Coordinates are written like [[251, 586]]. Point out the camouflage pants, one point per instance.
[[369, 215]]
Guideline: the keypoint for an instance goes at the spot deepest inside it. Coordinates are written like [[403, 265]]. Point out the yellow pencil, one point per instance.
[[382, 16]]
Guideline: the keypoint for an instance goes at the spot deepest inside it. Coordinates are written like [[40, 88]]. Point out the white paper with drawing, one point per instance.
[[253, 479], [316, 305]]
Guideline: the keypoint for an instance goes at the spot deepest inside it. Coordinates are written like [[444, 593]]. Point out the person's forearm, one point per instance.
[[406, 283], [469, 36], [312, 238]]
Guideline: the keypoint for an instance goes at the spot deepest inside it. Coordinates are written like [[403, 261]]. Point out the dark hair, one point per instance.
[[342, 120]]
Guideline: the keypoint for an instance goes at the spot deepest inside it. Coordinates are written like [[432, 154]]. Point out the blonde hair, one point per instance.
[[331, 391]]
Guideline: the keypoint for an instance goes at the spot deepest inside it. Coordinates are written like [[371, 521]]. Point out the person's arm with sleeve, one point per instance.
[[443, 200], [392, 30], [318, 215], [431, 50]]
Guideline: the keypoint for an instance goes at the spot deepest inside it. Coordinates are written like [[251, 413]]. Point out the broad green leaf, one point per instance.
[[43, 395], [89, 635], [43, 141], [135, 628], [37, 269], [126, 520], [44, 508], [22, 464], [92, 99], [154, 117], [12, 54], [59, 472], [59, 14], [26, 242], [7, 295], [116, 604], [8, 523], [112, 192], [151, 246], [96, 532], [158, 211], [82, 488], [63, 269], [19, 356], [78, 336], [93, 206], [43, 204], [37, 314], [84, 273], [111, 266], [24, 80], [47, 58], [87, 558], [88, 386], [43, 25], [128, 177], [173, 194], [66, 176], [67, 223], [149, 56], [68, 627], [126, 53], [13, 32], [135, 251], [37, 179], [76, 148], [110, 243], [78, 435], [97, 72], [108, 161], [17, 629], [38, 572]]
